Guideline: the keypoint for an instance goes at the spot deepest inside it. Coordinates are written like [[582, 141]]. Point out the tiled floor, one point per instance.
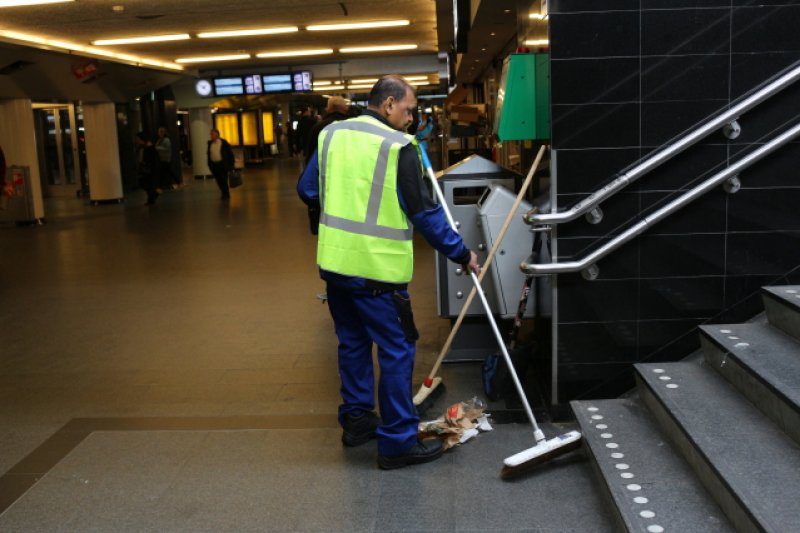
[[171, 369]]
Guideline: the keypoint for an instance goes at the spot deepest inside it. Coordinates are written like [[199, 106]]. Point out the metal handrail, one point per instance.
[[591, 202], [683, 200]]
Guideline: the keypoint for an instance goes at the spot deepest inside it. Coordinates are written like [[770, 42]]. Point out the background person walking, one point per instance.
[[147, 167], [220, 161], [164, 148]]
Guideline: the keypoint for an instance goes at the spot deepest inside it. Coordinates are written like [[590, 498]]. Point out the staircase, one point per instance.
[[711, 444]]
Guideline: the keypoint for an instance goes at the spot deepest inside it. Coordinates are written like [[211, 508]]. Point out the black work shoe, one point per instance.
[[421, 452], [359, 429]]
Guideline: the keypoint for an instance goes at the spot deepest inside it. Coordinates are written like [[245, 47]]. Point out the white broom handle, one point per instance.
[[435, 184]]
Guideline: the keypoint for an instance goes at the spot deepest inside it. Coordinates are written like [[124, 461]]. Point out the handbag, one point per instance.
[[234, 178]]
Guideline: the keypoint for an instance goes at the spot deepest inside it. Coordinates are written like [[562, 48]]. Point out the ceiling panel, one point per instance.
[[83, 21]]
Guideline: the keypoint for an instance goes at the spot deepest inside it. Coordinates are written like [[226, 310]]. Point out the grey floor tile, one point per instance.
[[200, 310]]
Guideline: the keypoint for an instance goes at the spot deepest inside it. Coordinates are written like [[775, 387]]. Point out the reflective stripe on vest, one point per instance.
[[370, 225]]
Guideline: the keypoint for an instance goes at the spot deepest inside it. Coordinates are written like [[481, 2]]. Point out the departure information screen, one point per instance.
[[228, 86], [252, 84], [302, 81], [277, 83], [289, 82]]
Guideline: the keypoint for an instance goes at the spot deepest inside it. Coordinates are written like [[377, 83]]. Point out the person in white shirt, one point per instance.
[[220, 161]]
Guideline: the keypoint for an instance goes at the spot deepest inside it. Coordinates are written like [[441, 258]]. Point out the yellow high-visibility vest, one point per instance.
[[363, 231]]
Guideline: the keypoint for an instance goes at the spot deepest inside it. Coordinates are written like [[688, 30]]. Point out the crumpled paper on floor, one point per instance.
[[459, 423]]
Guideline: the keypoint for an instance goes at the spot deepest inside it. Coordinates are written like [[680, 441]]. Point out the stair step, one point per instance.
[[783, 308], [651, 487], [763, 364], [744, 460]]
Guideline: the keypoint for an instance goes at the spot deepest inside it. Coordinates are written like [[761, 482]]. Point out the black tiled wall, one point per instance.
[[627, 76]]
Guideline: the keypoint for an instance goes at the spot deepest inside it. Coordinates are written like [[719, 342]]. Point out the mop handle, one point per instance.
[[435, 184]]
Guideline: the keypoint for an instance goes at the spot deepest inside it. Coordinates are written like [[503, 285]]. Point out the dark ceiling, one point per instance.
[[84, 21]]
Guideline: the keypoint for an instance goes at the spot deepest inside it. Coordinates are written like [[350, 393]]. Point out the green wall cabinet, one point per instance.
[[523, 101]]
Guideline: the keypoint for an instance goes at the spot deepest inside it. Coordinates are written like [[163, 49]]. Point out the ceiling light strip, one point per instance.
[[143, 39], [295, 53], [230, 57], [247, 33], [44, 42], [16, 3], [358, 25], [385, 48]]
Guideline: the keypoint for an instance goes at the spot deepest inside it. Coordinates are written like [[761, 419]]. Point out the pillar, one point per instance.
[[102, 153], [18, 140], [285, 117], [199, 126]]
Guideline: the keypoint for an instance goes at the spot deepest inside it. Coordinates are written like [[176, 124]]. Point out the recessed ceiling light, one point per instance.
[[245, 33], [143, 39], [493, 34], [14, 3], [384, 48], [293, 53], [230, 57], [358, 25], [365, 80]]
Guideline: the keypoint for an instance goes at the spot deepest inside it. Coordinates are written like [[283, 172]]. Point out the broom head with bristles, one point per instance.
[[430, 390], [544, 451]]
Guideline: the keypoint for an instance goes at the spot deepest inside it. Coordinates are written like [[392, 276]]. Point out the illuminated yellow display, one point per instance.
[[249, 129], [267, 127], [228, 126]]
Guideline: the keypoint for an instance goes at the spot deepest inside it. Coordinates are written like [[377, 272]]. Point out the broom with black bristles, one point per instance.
[[433, 387], [545, 449]]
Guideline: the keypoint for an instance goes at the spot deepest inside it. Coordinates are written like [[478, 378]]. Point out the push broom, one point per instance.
[[433, 386], [545, 449]]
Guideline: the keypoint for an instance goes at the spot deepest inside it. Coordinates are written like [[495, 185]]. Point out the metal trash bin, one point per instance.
[[507, 278], [463, 185]]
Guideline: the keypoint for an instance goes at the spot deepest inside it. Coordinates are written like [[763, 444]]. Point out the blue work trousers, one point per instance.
[[362, 318]]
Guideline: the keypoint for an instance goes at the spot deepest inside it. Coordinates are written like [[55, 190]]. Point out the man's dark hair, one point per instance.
[[387, 86], [215, 130]]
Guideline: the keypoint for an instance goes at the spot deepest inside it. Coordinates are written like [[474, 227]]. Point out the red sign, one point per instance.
[[84, 70]]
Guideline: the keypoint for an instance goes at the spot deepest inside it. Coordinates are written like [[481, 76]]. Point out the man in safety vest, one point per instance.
[[370, 190]]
